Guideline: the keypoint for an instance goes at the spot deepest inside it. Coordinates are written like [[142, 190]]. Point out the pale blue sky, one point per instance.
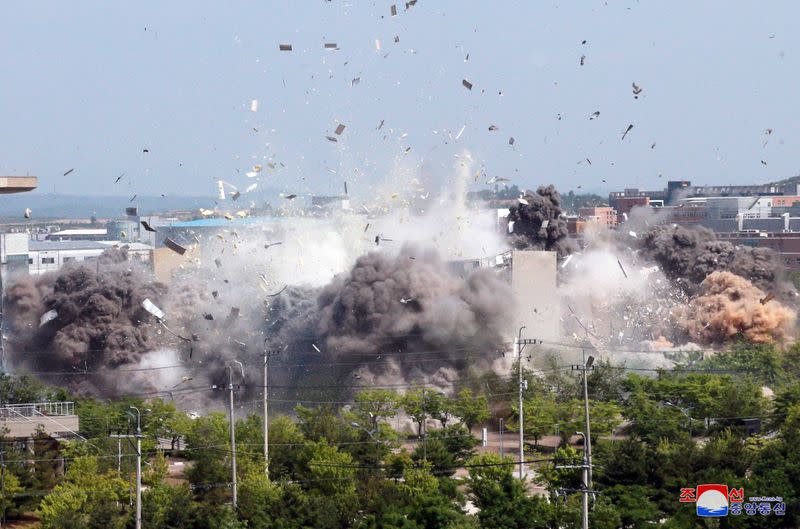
[[85, 86]]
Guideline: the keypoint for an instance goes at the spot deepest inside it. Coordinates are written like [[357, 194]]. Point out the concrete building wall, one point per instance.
[[533, 282]]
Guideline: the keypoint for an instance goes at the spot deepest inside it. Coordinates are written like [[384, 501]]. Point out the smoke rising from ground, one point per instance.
[[538, 223], [689, 255], [729, 306]]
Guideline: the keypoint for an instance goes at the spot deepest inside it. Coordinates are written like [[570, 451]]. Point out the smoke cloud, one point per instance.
[[538, 223], [689, 255], [729, 307]]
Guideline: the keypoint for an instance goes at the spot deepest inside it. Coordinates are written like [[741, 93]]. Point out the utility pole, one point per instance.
[[519, 344], [138, 467], [502, 452], [587, 365], [267, 354], [234, 499], [586, 471]]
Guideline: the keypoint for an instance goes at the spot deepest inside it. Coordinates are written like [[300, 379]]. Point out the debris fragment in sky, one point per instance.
[[331, 46], [27, 213], [285, 47], [355, 81], [339, 129], [251, 187], [332, 138], [636, 90], [633, 234], [132, 212], [511, 141], [278, 292], [627, 131], [466, 84], [290, 197], [218, 262], [145, 150], [119, 178], [595, 115], [235, 196], [492, 127], [566, 261], [254, 105], [150, 307], [460, 132], [345, 188], [623, 269], [48, 316], [68, 172], [208, 316], [206, 212], [313, 344], [174, 246], [583, 60], [266, 246], [147, 227], [396, 39], [523, 201], [653, 146], [466, 58], [393, 10], [377, 45], [768, 132], [769, 297], [221, 189], [381, 125], [133, 198]]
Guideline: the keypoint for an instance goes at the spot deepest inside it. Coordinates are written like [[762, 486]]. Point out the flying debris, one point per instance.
[[653, 146], [466, 84], [460, 132], [566, 261], [393, 10], [492, 127], [595, 115], [285, 47], [315, 345], [146, 225], [267, 246], [278, 292], [133, 198], [377, 45], [636, 90], [355, 81], [332, 138], [68, 172], [622, 268], [145, 150], [27, 213], [381, 125], [583, 60], [119, 178], [150, 307], [511, 141], [763, 162], [496, 179], [339, 129], [290, 197], [766, 299], [174, 246], [627, 131], [251, 187], [331, 46], [254, 105], [48, 316], [235, 196]]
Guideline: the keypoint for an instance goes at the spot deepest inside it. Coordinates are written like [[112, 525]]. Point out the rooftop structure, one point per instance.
[[56, 419], [17, 184]]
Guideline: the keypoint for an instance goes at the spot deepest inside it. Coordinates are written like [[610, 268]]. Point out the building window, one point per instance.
[[48, 260], [68, 259], [30, 260]]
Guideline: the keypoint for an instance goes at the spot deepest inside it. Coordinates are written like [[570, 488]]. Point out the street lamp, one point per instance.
[[138, 467], [683, 411], [585, 513], [371, 433]]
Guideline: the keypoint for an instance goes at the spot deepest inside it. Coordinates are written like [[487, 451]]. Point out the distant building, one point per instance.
[[330, 202], [79, 234], [20, 255], [603, 215]]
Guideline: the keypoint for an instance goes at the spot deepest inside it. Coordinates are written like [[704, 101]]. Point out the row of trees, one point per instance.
[[333, 467]]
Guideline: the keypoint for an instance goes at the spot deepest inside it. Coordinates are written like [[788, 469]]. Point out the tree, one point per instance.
[[469, 409], [501, 499], [419, 404]]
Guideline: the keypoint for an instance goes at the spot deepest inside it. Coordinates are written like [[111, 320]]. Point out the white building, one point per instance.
[[20, 255]]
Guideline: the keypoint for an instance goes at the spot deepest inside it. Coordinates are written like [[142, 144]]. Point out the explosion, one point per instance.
[[536, 223], [729, 306]]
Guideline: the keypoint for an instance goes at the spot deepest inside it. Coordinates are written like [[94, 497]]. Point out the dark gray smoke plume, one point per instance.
[[99, 322], [538, 225], [689, 255], [395, 318]]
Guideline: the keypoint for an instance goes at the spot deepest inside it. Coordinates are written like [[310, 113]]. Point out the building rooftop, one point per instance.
[[44, 246], [81, 231], [17, 184]]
